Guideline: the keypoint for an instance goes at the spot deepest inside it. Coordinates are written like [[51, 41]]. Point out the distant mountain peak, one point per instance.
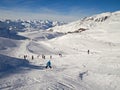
[[24, 25]]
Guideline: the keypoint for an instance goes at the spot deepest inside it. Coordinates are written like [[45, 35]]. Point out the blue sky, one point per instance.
[[62, 10]]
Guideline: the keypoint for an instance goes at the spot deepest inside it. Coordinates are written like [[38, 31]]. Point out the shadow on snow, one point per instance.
[[11, 34], [10, 65]]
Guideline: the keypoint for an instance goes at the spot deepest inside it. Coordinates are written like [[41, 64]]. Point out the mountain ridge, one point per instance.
[[89, 23]]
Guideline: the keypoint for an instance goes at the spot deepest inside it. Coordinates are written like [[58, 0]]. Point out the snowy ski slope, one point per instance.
[[76, 69]]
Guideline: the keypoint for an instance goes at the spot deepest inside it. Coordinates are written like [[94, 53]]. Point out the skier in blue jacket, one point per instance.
[[48, 64]]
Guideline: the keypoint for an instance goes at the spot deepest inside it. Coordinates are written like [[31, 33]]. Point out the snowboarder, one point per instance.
[[48, 64]]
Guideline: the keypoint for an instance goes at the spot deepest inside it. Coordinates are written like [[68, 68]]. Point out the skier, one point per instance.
[[43, 56], [50, 56], [60, 54], [88, 51], [24, 57], [32, 57], [48, 64]]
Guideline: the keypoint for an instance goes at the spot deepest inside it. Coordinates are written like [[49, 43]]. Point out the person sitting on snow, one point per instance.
[[48, 64]]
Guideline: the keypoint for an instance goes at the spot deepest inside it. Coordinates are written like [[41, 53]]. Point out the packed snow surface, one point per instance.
[[76, 68]]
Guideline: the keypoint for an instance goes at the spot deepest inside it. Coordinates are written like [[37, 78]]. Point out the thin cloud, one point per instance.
[[21, 9], [46, 14]]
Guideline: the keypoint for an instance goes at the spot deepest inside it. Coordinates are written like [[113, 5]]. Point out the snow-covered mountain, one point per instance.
[[109, 20], [23, 25], [10, 28]]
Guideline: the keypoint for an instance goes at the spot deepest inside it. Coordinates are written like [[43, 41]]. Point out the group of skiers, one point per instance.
[[25, 57], [48, 64]]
